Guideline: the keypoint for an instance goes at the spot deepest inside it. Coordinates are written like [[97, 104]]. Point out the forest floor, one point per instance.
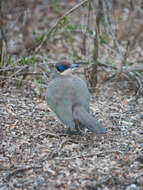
[[35, 154]]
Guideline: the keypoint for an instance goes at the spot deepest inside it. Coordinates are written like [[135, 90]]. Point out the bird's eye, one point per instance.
[[62, 68]]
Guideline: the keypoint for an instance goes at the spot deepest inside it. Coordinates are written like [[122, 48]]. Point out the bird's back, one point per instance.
[[65, 91]]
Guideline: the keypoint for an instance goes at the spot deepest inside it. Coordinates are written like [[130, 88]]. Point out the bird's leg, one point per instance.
[[77, 130], [70, 132], [78, 127]]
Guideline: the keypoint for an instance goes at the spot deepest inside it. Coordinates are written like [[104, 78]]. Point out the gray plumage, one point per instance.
[[68, 97]]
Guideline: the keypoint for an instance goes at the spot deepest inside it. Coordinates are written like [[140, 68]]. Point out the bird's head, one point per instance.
[[66, 68]]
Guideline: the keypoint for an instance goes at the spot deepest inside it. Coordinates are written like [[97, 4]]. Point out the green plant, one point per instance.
[[37, 37], [55, 4], [103, 37], [27, 61], [38, 82]]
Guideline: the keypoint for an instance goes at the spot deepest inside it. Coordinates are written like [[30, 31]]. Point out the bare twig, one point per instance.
[[111, 33], [99, 15], [139, 80], [15, 79], [88, 155], [20, 170], [19, 70], [136, 36], [91, 71], [84, 32], [57, 22]]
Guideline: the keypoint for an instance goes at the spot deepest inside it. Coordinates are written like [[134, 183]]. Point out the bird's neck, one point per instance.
[[67, 72], [56, 74]]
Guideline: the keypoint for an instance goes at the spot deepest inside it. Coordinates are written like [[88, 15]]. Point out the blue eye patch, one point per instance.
[[62, 68]]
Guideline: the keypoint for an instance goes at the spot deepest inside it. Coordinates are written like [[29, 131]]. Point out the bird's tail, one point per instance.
[[87, 120]]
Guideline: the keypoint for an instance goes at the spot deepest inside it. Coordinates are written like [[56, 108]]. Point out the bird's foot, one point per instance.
[[71, 132]]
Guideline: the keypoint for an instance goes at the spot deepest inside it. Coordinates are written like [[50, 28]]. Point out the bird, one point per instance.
[[68, 97]]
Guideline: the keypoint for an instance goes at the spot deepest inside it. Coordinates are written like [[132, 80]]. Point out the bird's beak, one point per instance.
[[75, 65]]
